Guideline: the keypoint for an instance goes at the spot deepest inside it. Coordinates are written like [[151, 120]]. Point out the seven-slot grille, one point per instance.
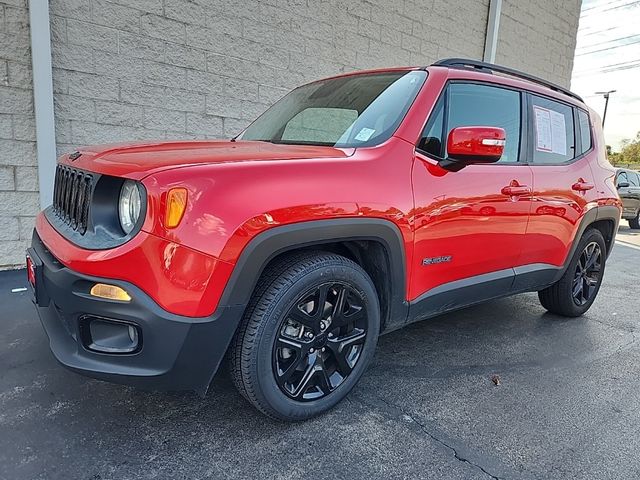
[[72, 196]]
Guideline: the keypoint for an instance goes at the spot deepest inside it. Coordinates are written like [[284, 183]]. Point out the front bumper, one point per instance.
[[176, 352]]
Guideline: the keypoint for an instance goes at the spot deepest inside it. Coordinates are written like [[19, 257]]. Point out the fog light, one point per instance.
[[133, 334], [109, 336], [110, 292]]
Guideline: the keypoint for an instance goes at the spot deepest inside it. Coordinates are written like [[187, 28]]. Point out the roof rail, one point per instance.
[[490, 68]]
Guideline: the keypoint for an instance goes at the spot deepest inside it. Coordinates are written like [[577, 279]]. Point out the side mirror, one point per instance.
[[472, 145], [623, 185]]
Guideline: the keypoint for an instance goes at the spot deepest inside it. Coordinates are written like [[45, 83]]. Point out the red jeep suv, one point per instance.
[[353, 206]]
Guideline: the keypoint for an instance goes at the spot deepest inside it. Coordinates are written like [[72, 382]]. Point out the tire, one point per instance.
[[288, 357], [575, 292], [635, 222]]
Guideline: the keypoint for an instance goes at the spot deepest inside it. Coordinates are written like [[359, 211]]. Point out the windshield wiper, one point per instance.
[[302, 142]]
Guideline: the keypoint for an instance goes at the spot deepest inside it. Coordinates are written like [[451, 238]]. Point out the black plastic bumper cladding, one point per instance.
[[177, 353]]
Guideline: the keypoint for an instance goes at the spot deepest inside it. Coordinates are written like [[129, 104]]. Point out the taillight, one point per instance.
[[31, 271]]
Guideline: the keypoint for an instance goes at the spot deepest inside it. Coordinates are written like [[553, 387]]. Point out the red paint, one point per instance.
[[476, 142], [139, 160], [487, 217]]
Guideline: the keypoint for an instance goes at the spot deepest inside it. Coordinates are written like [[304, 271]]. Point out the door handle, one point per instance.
[[582, 186], [516, 190]]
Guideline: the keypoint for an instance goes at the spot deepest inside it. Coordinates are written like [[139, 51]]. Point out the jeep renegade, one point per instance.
[[353, 206]]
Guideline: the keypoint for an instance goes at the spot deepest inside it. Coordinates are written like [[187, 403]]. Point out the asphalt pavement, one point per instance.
[[567, 403]]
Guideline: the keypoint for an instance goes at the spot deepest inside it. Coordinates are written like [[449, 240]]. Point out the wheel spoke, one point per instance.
[[582, 261], [342, 364], [354, 338], [321, 300], [355, 314], [323, 377], [305, 381], [337, 313], [586, 289], [341, 349], [577, 288], [303, 318], [592, 282], [593, 258], [299, 353]]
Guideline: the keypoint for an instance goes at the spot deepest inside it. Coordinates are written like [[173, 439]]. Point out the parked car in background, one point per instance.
[[352, 207], [628, 184]]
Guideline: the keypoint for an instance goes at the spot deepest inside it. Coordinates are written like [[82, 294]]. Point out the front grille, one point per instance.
[[72, 197]]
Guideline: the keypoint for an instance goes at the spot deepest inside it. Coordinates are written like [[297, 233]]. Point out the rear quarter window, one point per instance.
[[585, 131]]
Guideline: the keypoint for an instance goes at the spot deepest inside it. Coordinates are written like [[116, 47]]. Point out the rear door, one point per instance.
[[559, 154]]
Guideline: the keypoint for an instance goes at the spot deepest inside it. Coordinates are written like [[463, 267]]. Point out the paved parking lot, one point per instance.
[[566, 407]]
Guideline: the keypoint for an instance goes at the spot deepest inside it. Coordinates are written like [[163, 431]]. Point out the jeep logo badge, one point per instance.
[[74, 156]]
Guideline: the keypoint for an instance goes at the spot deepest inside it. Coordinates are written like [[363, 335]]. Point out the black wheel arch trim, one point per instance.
[[267, 245], [608, 213]]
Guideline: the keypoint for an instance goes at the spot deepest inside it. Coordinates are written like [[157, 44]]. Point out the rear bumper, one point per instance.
[[176, 352]]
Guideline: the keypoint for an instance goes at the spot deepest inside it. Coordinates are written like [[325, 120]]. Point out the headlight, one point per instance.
[[129, 205]]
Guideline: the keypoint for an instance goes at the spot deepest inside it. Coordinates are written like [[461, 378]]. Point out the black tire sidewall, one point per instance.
[[281, 405]]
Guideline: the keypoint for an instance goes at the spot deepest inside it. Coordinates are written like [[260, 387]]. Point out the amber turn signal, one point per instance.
[[176, 205], [110, 292]]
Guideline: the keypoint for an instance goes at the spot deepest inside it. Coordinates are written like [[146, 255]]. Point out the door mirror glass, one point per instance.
[[473, 145]]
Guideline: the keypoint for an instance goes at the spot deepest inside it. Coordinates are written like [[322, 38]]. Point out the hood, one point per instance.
[[137, 160]]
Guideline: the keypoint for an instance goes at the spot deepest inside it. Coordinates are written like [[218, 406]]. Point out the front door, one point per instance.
[[469, 225]]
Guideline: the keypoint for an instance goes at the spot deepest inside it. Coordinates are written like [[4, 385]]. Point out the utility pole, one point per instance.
[[606, 103]]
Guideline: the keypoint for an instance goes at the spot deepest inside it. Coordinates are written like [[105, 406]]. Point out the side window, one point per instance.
[[553, 131], [622, 178], [585, 131], [474, 105], [483, 105], [634, 180]]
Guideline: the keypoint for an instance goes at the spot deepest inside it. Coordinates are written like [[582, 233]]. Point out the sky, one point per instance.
[[608, 58]]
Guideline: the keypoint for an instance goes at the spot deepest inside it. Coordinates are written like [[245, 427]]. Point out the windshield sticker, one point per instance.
[[551, 131], [364, 134]]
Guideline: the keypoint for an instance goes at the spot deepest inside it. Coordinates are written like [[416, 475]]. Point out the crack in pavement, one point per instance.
[[440, 441], [397, 412]]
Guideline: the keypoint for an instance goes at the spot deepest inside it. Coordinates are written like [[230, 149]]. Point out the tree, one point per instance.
[[629, 154]]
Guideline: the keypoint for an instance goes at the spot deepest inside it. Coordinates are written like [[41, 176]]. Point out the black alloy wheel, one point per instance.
[[307, 335], [576, 290], [587, 274], [319, 341]]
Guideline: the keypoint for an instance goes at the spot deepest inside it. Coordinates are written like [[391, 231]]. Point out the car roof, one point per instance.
[[486, 72]]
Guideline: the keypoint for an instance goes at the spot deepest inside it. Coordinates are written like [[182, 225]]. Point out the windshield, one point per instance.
[[353, 111]]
